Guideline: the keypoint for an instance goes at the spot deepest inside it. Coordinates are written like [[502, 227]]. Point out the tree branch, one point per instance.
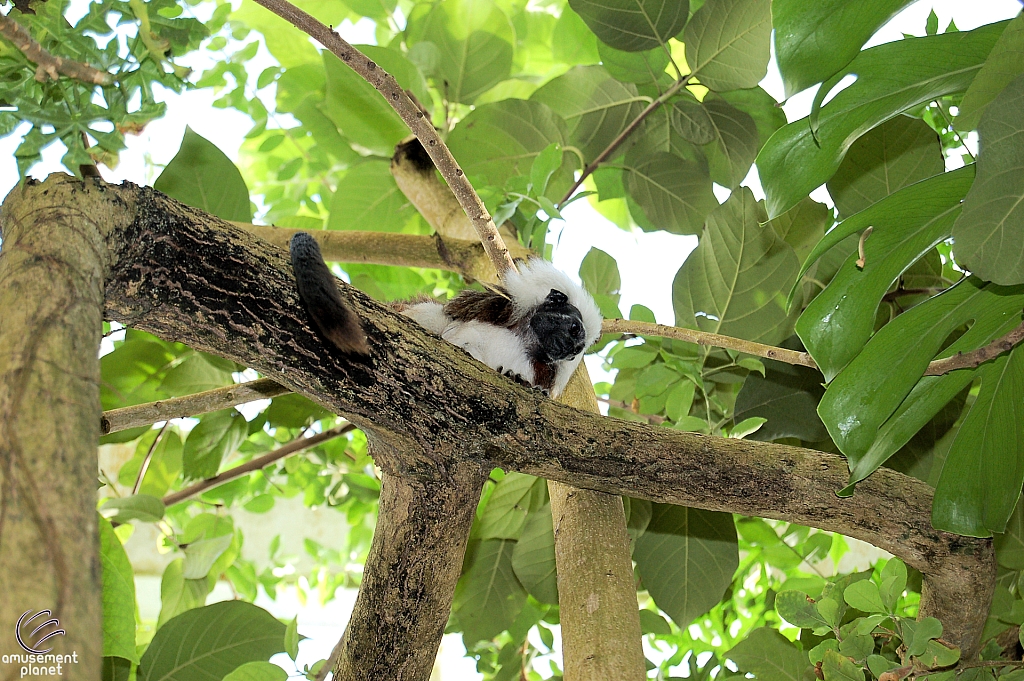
[[429, 408], [260, 462], [413, 116], [147, 414], [47, 65], [974, 358], [624, 135]]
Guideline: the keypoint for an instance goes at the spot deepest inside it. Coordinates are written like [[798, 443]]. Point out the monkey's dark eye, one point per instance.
[[575, 328]]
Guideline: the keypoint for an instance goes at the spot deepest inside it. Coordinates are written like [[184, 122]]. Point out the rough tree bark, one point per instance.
[[189, 277], [51, 305], [601, 635]]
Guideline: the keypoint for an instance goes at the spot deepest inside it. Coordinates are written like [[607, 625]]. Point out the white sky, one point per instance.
[[647, 262]]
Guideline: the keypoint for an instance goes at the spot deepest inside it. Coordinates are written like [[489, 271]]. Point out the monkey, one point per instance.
[[533, 329]]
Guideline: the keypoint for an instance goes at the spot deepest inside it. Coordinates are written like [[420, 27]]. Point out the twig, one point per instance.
[[47, 65], [332, 661], [622, 136], [708, 339], [149, 456], [972, 359], [179, 407], [296, 445], [414, 117]]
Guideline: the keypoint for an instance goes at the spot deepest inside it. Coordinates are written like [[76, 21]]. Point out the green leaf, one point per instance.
[[217, 436], [788, 397], [118, 596], [937, 654], [857, 646], [693, 122], [505, 514], [638, 516], [989, 234], [864, 596], [679, 400], [653, 623], [1010, 544], [501, 140], [803, 226], [890, 79], [893, 584], [572, 42], [674, 194], [195, 374], [595, 107], [643, 68], [815, 40], [257, 671], [368, 199], [734, 283], [488, 597], [906, 225], [770, 656], [471, 42], [995, 311], [883, 160], [837, 667], [211, 642], [600, 274], [201, 555], [981, 479], [533, 558], [201, 176], [735, 142], [633, 25], [761, 106], [135, 507], [818, 651], [923, 631], [798, 609], [1005, 62], [686, 559], [294, 411], [546, 163], [178, 594], [830, 611], [727, 43], [358, 110], [291, 638], [116, 669]]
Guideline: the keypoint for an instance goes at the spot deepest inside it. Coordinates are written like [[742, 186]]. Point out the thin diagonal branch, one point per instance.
[[413, 116], [49, 66], [624, 135], [974, 358], [260, 462]]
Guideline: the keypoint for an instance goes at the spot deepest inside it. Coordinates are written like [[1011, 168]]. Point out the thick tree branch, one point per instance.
[[47, 65], [413, 116], [260, 462], [434, 407], [138, 415]]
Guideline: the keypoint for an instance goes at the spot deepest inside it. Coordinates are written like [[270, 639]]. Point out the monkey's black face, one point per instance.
[[559, 328]]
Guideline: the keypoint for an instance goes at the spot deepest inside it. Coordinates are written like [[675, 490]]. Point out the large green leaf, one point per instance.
[[686, 559], [635, 67], [211, 642], [465, 45], [572, 42], [897, 153], [118, 596], [359, 111], [673, 193], [501, 140], [533, 557], [488, 597], [512, 499], [989, 234], [981, 479], [218, 435], [727, 43], [1005, 62], [736, 280], [995, 311], [890, 79], [803, 226], [368, 199], [862, 398], [814, 40], [257, 671], [633, 25], [594, 106], [761, 106], [788, 397], [770, 656], [178, 594], [201, 176], [906, 225], [735, 142]]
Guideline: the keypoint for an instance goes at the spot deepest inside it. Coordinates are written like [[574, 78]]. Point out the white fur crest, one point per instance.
[[533, 282]]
